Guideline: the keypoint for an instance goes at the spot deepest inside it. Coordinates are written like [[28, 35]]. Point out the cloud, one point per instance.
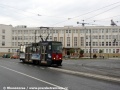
[[52, 12]]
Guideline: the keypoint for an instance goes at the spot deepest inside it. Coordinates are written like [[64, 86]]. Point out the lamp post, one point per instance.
[[90, 45], [83, 24]]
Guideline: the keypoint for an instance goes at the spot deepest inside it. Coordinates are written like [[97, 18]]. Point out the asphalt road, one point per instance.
[[16, 74], [107, 67]]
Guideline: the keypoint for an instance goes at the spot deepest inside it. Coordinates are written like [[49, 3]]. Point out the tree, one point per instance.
[[100, 51], [72, 51], [81, 52]]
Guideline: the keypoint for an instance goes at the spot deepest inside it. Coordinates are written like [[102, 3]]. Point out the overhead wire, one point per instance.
[[31, 12], [91, 12], [102, 12], [72, 17]]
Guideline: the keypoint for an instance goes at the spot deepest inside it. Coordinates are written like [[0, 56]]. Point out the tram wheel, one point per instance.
[[35, 62]]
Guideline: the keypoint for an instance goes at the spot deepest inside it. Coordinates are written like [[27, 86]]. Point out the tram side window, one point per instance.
[[49, 47], [33, 49], [38, 49]]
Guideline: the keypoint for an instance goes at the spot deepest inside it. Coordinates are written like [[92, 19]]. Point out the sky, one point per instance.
[[59, 13]]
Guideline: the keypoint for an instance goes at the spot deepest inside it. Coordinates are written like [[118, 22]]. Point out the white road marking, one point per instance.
[[88, 75], [32, 77], [42, 68]]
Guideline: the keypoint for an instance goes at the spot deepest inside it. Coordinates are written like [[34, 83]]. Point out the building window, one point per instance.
[[117, 50], [56, 31], [95, 50], [106, 43], [106, 30], [86, 37], [75, 41], [86, 43], [3, 30], [99, 43], [106, 36], [12, 37], [102, 36], [109, 50], [3, 43], [69, 31], [106, 50], [61, 39], [82, 41], [96, 43], [55, 38], [18, 43], [99, 37], [66, 31], [50, 37], [15, 37], [113, 43], [110, 36], [109, 43], [102, 43], [12, 43], [89, 43], [93, 43], [12, 31], [86, 50], [76, 31], [102, 30], [3, 37], [8, 50], [113, 50], [68, 41], [15, 43]]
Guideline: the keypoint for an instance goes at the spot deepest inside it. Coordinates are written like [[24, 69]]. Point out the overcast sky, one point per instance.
[[36, 13]]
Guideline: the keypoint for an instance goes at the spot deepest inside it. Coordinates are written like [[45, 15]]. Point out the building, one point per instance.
[[5, 38], [90, 38]]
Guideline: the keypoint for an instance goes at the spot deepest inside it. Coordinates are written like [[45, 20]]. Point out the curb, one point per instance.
[[96, 76]]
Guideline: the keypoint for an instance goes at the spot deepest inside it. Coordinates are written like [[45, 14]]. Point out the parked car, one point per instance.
[[14, 56], [6, 56]]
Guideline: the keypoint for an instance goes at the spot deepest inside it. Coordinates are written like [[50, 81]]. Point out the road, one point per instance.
[[16, 74], [109, 67]]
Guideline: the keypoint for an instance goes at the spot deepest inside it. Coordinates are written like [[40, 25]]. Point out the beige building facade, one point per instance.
[[105, 38]]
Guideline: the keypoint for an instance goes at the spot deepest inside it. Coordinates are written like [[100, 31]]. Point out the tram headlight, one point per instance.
[[49, 56]]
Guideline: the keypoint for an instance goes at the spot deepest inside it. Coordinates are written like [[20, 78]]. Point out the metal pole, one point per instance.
[[90, 44], [35, 36], [85, 39]]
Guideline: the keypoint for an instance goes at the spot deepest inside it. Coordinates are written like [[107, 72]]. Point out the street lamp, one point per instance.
[[83, 24], [90, 44]]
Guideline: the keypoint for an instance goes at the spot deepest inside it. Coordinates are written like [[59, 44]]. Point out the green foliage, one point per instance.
[[72, 51], [81, 51], [100, 51]]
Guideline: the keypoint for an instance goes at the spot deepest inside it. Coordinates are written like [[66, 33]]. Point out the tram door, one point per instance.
[[27, 55], [43, 53]]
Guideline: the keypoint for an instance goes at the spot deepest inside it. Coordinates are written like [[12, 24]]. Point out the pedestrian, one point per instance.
[[103, 56]]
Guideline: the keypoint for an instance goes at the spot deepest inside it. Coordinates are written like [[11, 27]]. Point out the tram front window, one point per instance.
[[57, 49]]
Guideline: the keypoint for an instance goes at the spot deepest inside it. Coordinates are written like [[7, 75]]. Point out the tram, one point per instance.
[[43, 52], [46, 52]]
